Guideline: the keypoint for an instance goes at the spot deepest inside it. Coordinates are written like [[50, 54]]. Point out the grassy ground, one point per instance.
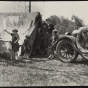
[[44, 72]]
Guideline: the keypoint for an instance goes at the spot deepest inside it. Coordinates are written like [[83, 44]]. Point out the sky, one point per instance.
[[48, 8]]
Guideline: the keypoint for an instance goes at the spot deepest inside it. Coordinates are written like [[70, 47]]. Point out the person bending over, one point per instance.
[[27, 47]]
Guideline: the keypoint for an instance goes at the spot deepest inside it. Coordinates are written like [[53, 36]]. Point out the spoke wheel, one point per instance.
[[66, 51]]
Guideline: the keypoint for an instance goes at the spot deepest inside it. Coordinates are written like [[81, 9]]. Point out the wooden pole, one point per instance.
[[29, 6], [25, 6]]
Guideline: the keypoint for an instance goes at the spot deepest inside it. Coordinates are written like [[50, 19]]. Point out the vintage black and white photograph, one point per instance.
[[43, 43]]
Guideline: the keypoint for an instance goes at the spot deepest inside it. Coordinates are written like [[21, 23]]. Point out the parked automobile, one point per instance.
[[70, 46]]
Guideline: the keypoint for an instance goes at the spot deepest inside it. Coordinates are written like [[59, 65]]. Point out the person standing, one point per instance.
[[45, 37], [15, 44], [49, 33]]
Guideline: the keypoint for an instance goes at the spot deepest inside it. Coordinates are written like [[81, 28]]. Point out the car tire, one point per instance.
[[66, 51]]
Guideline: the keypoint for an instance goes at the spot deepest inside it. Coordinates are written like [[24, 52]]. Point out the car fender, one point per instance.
[[70, 38]]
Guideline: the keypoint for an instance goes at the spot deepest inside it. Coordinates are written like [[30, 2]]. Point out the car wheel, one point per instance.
[[66, 51]]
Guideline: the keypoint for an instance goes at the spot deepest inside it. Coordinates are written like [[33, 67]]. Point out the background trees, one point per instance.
[[63, 24]]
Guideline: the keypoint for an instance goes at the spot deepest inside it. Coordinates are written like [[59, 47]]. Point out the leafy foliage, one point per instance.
[[78, 22], [63, 24]]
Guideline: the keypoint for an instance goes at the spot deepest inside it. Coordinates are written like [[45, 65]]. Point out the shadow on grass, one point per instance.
[[22, 62], [83, 61], [38, 56]]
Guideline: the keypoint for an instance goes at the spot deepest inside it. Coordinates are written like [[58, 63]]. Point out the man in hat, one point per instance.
[[15, 44], [54, 39], [45, 37], [49, 33]]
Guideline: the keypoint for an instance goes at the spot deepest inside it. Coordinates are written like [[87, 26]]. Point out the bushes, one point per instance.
[[78, 22]]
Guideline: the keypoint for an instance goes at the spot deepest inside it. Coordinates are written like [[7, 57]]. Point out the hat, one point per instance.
[[54, 31], [15, 30]]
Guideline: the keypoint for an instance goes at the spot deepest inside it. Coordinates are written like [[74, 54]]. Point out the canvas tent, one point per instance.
[[26, 23]]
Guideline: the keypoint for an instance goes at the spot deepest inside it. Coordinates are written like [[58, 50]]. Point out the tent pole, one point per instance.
[[29, 6], [25, 6]]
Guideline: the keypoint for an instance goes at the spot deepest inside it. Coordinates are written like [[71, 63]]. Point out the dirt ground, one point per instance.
[[44, 72]]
